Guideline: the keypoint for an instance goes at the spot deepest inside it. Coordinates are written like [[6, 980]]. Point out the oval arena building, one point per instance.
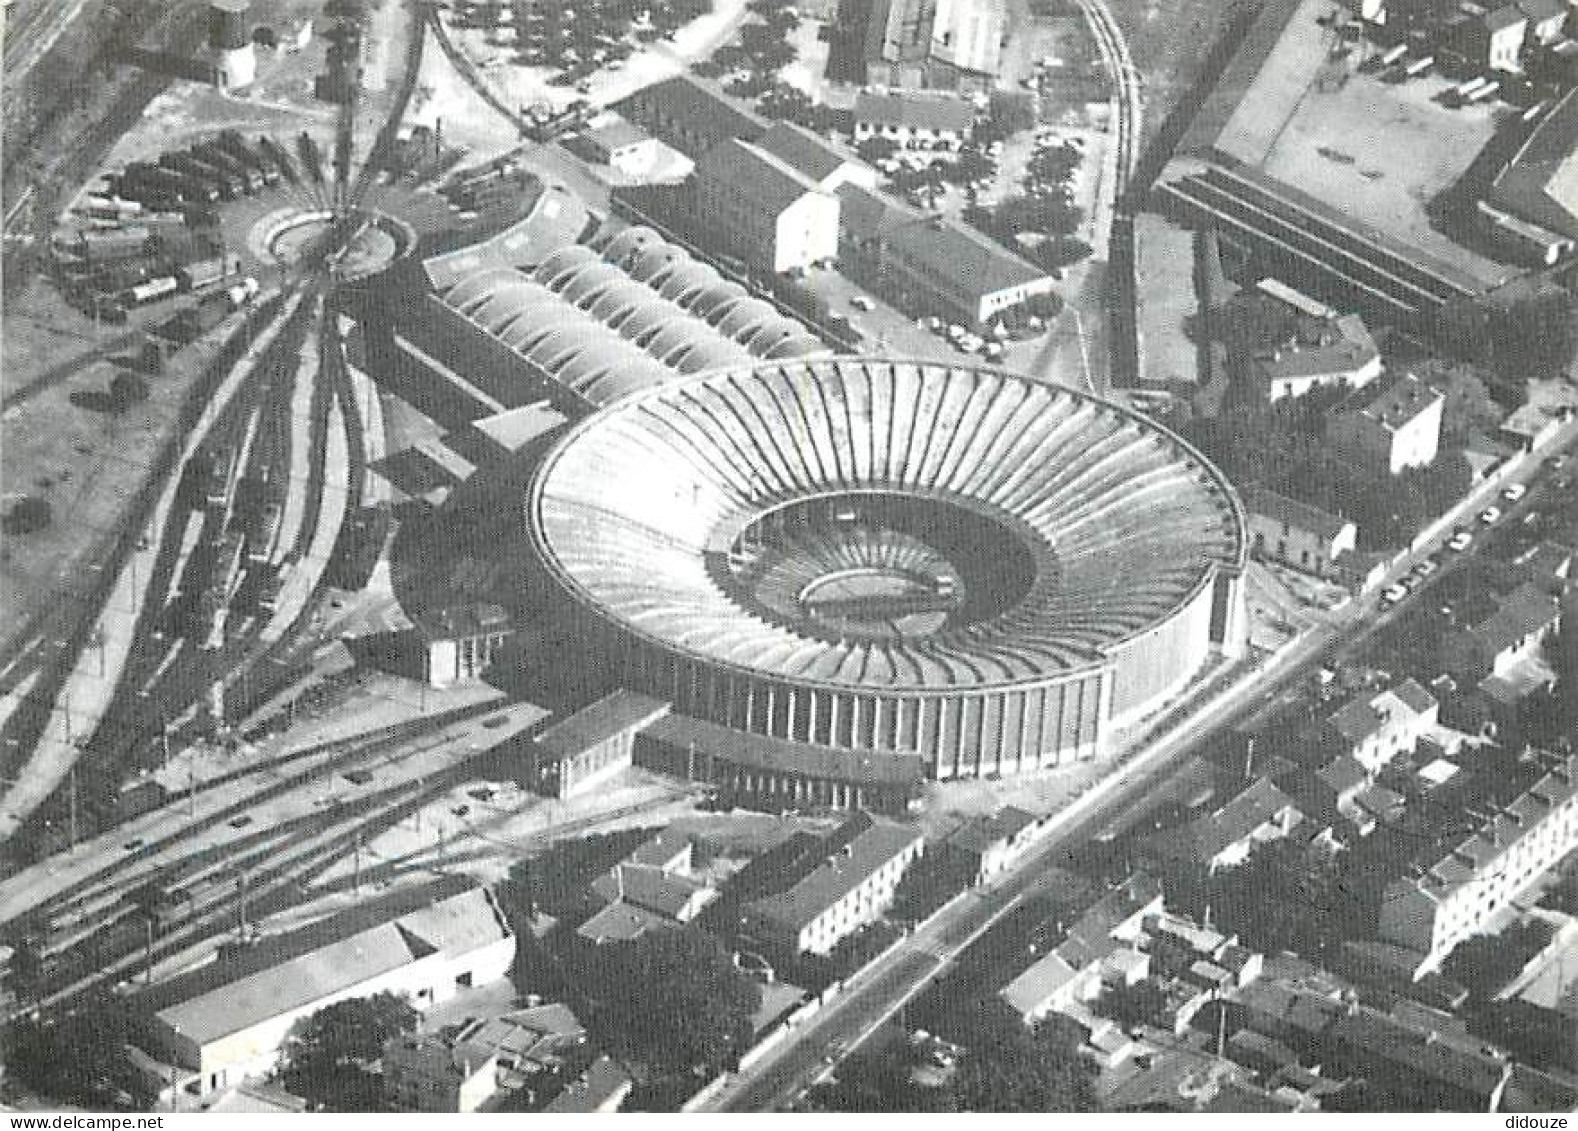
[[891, 556]]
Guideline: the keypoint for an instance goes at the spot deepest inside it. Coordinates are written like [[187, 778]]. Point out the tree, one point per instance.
[[1132, 1005], [78, 1058], [876, 148], [1286, 897], [1011, 1067], [1486, 963], [328, 1056], [1535, 337], [673, 1000], [27, 515], [127, 389]]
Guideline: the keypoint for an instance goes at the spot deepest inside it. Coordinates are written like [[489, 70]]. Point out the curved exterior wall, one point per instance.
[[958, 733], [1140, 576]]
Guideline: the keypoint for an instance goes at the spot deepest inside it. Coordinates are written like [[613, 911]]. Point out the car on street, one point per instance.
[[861, 302], [1460, 541]]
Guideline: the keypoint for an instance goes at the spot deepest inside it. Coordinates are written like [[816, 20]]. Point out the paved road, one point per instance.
[[898, 977]]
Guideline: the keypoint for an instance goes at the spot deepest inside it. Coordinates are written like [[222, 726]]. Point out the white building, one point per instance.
[[1296, 534], [760, 208], [1453, 899], [623, 147], [1376, 730], [907, 118], [1397, 429], [850, 889], [224, 1022], [432, 1073]]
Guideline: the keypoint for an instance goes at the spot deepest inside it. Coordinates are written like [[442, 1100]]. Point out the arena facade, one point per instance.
[[892, 557]]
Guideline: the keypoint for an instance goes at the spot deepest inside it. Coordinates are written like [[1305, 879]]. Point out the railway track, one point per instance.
[[97, 932]]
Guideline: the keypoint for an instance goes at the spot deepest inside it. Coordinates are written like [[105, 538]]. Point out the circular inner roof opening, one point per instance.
[[876, 566]]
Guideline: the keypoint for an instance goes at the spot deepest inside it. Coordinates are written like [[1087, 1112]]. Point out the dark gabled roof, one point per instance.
[[463, 621], [869, 767], [1345, 345], [700, 109], [1380, 1039], [1393, 406], [755, 175], [865, 214], [598, 1085], [1504, 17], [837, 876], [801, 150], [1415, 697], [974, 263], [983, 832], [1526, 610], [1202, 839], [647, 887], [915, 111]]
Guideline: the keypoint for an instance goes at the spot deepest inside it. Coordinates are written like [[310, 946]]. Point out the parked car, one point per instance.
[[1426, 567], [1460, 541], [1393, 594], [1514, 492], [1490, 515]]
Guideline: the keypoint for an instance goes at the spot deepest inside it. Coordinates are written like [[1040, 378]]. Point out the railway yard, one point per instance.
[[380, 457]]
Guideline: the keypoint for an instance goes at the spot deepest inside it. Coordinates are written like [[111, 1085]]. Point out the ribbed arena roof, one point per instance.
[[1114, 521]]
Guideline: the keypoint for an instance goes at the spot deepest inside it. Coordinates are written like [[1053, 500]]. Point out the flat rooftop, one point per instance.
[[1377, 153], [612, 715]]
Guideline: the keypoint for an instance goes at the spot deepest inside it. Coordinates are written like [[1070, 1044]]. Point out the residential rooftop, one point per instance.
[[841, 873], [1395, 406], [1298, 515]]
